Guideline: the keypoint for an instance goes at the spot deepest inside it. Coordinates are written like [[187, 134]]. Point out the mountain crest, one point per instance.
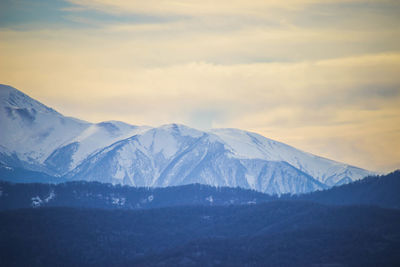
[[39, 138], [16, 100]]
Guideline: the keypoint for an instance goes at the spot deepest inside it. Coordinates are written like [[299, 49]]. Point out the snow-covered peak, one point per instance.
[[13, 99], [34, 130], [166, 139], [6, 91], [181, 130]]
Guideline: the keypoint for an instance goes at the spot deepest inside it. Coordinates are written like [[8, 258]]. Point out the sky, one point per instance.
[[320, 75]]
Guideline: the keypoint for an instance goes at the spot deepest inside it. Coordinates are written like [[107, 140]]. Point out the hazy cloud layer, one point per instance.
[[323, 76]]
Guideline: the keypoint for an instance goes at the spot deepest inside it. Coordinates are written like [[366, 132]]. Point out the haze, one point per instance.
[[323, 76]]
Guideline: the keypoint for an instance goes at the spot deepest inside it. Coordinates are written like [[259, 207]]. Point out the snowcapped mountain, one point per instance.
[[30, 131], [36, 137]]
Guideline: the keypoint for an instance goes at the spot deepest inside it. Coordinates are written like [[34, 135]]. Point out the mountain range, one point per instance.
[[75, 193], [39, 141]]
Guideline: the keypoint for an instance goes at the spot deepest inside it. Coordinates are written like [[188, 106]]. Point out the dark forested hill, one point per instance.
[[381, 191], [107, 196], [270, 234], [95, 224]]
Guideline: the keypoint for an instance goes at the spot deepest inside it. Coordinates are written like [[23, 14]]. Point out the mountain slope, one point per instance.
[[161, 157], [38, 138], [30, 130], [97, 136], [254, 146]]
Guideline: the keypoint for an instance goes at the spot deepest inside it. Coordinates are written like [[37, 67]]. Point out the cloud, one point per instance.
[[302, 72], [338, 102], [205, 7]]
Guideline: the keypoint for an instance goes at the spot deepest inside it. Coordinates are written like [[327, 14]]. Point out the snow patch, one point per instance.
[[252, 202], [51, 196], [119, 201], [251, 180], [147, 200], [36, 201], [8, 168]]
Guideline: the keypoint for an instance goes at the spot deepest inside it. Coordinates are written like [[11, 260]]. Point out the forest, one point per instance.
[[94, 224]]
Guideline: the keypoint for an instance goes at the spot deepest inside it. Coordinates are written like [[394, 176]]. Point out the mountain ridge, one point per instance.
[[42, 139]]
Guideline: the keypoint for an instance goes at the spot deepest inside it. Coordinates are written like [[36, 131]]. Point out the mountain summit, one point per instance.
[[36, 137]]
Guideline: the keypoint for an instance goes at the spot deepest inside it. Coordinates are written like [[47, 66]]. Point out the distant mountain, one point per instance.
[[271, 234], [37, 138]]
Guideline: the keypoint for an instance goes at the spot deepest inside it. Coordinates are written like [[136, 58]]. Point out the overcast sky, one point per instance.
[[321, 75]]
